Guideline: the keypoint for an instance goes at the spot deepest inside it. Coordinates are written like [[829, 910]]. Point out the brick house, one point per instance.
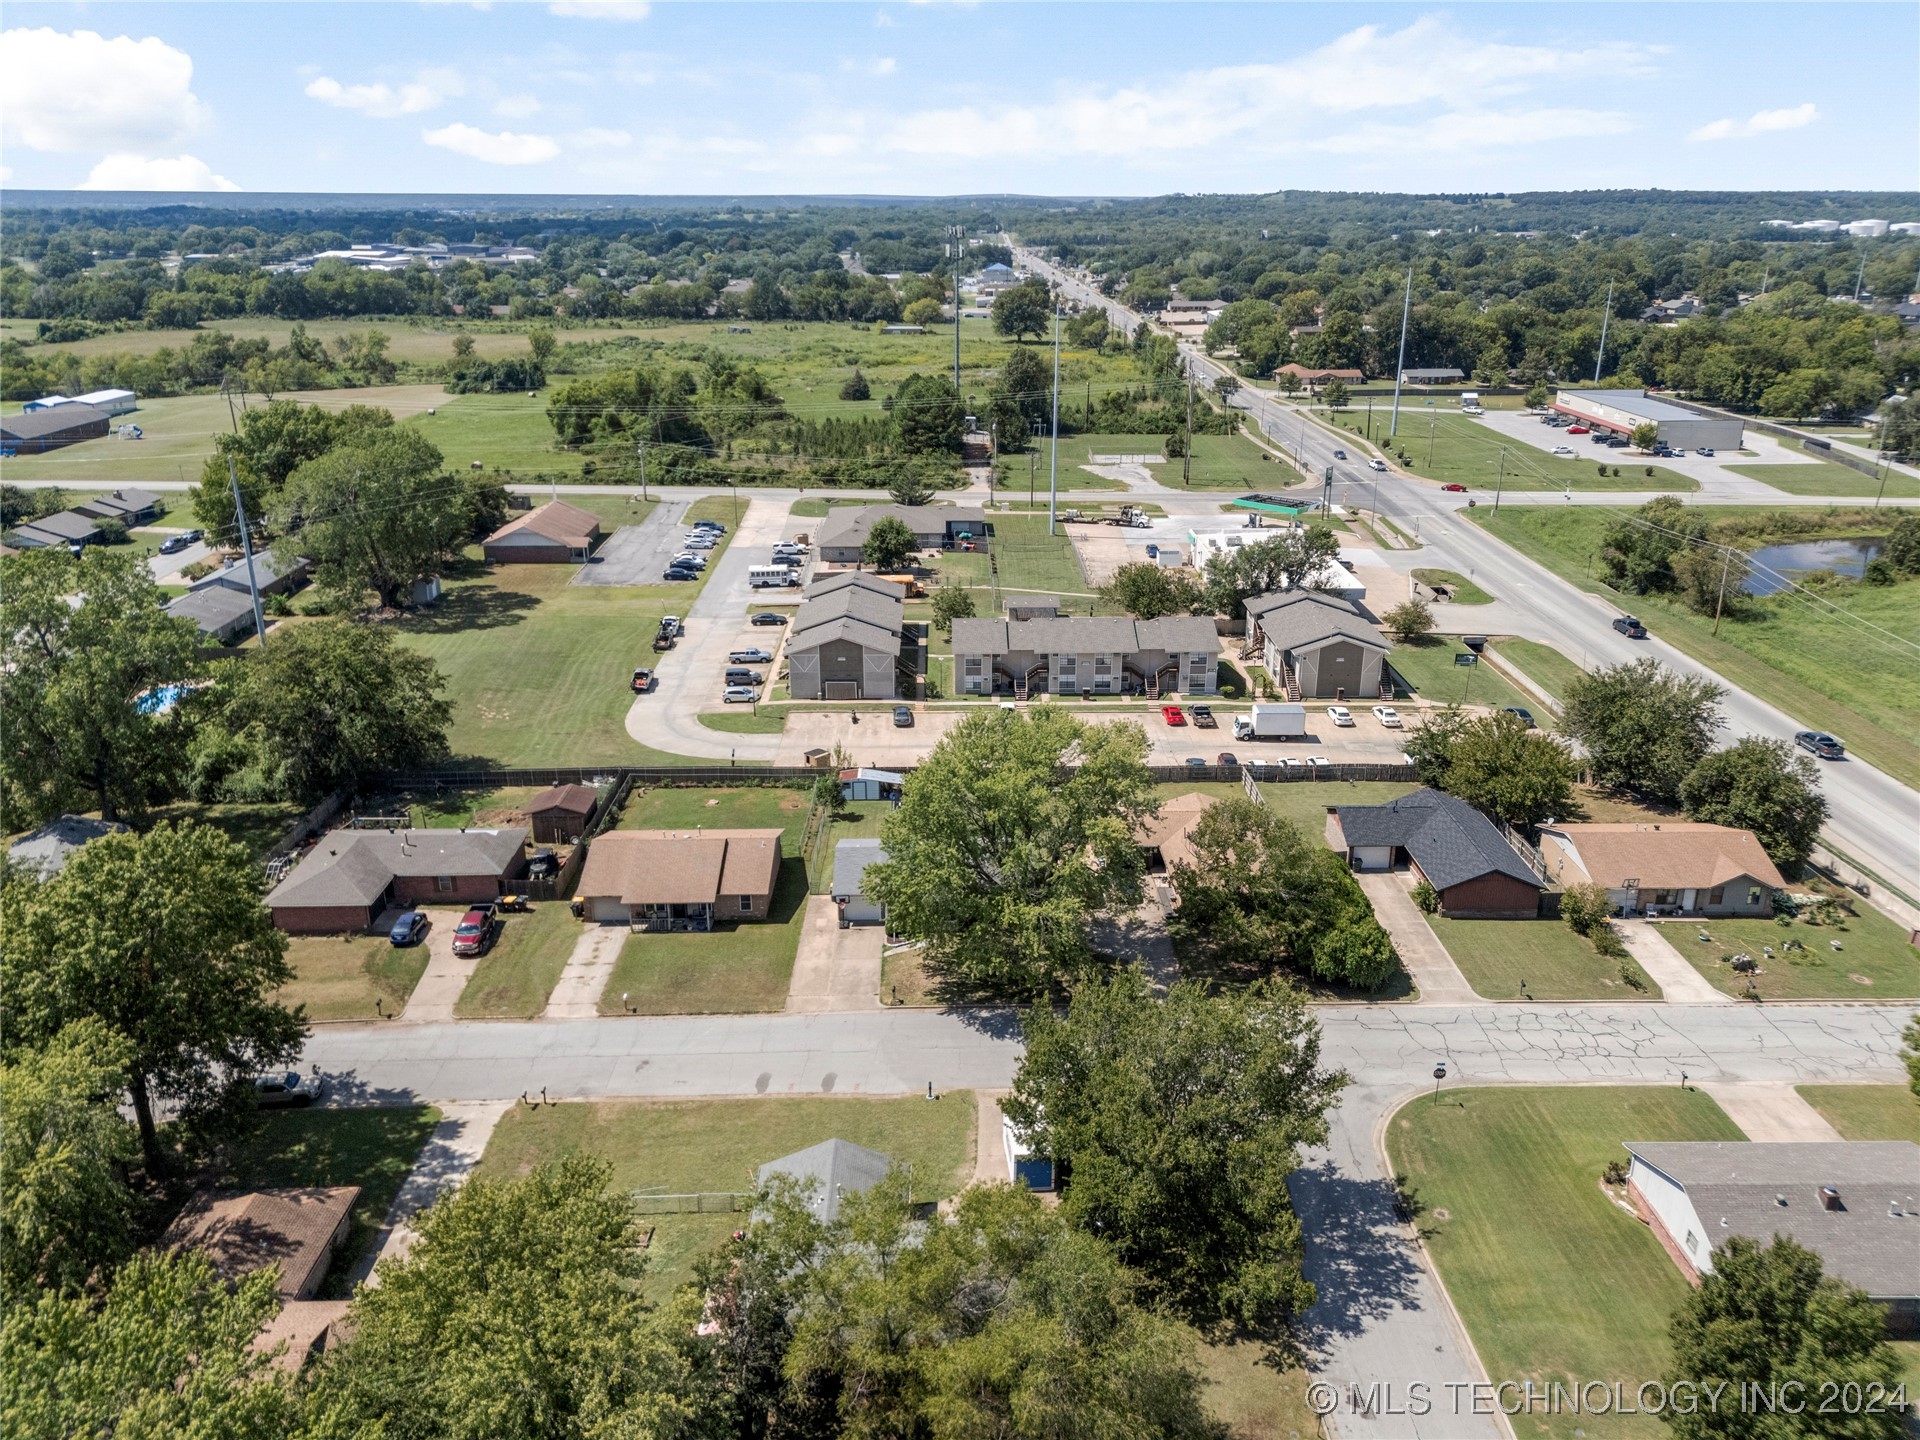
[[552, 534], [679, 879], [1450, 845], [345, 882]]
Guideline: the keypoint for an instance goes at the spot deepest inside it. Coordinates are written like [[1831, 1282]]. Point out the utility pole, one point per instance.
[[246, 548], [959, 244], [1432, 416], [1726, 559], [1500, 483], [1886, 469], [1605, 316], [1186, 457], [1859, 276], [643, 469], [1053, 456], [1400, 365], [1369, 419]]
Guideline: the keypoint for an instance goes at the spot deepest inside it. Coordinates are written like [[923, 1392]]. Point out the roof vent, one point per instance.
[[1781, 1201], [1830, 1198]]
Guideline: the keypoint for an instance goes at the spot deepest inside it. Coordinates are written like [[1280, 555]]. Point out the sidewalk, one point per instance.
[[445, 1160], [1770, 1111], [1679, 982], [576, 994]]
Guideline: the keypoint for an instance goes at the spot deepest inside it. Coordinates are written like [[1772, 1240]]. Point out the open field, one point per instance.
[[1426, 669], [1452, 448], [1220, 462], [685, 1147], [1874, 961], [371, 1148], [733, 969], [339, 977], [1536, 959], [1542, 664], [1823, 477], [1785, 652], [514, 978], [1867, 1112], [1555, 1281]]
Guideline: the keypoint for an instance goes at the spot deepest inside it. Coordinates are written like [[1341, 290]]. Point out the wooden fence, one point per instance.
[[1277, 772]]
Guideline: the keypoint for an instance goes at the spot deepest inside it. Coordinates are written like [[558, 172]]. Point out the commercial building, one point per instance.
[[1441, 375], [935, 527], [349, 877], [552, 534], [1315, 379], [1086, 654], [844, 642], [679, 879], [1667, 867], [1450, 845], [1624, 411], [34, 431], [1319, 646]]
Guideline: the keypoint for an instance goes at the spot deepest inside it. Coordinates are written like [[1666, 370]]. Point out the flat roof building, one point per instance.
[[34, 431], [1624, 411]]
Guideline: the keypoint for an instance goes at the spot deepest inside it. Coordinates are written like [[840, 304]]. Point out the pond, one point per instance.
[[1775, 565]]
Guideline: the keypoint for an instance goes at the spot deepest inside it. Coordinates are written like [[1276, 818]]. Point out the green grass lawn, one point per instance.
[[339, 977], [1030, 559], [1426, 668], [1823, 477], [459, 809], [728, 807], [1554, 1281], [514, 978], [1784, 652], [1252, 1398], [507, 432], [1464, 591], [743, 722], [1220, 462], [1553, 963], [732, 969], [683, 1147], [1875, 962], [1542, 664], [371, 1148], [856, 820], [257, 827], [1304, 802], [1456, 449], [1867, 1112]]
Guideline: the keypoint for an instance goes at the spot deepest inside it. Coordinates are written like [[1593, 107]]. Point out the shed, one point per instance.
[[834, 1169], [867, 784], [850, 861], [560, 813]]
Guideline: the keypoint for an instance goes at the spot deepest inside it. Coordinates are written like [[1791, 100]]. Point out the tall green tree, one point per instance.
[[376, 515], [1639, 549], [1180, 1120], [1023, 310], [1022, 398], [1288, 560], [72, 682], [326, 705], [927, 414], [1767, 1317], [1012, 834], [1761, 785], [1643, 726], [1495, 764], [65, 1209], [889, 544], [162, 938], [951, 603], [1147, 591], [910, 486], [270, 442]]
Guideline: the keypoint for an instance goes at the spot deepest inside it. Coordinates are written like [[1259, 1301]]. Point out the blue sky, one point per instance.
[[602, 96]]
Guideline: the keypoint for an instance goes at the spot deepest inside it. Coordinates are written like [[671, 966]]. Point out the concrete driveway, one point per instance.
[[872, 740], [638, 554], [446, 974], [835, 969]]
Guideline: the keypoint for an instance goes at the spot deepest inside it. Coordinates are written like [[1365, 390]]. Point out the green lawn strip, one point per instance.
[[1867, 1112], [734, 969], [689, 1147], [1554, 1281], [1253, 1398], [1542, 664], [514, 978], [1785, 654], [855, 820], [1498, 957], [816, 509], [258, 827], [904, 979], [339, 977], [371, 1148], [1304, 802], [727, 509], [1464, 591], [1426, 668], [742, 722], [730, 807], [460, 809], [1873, 950], [1462, 451], [1824, 477]]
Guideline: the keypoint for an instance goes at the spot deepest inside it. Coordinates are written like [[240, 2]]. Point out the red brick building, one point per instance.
[[350, 877]]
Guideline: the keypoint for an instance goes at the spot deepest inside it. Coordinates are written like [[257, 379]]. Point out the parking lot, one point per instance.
[[638, 554], [1525, 427]]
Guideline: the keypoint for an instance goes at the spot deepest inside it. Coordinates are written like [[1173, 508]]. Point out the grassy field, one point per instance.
[[1554, 1281], [1823, 477], [1463, 590], [856, 820], [733, 969], [1426, 668], [514, 978], [1456, 449], [258, 827], [371, 1148], [1867, 1112], [1785, 653], [339, 977], [1500, 957], [684, 1147], [1875, 962], [1220, 462], [732, 807], [1542, 664], [1029, 560]]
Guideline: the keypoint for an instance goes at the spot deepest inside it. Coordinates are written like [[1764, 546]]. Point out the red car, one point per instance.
[[1458, 489], [1578, 430], [1173, 715]]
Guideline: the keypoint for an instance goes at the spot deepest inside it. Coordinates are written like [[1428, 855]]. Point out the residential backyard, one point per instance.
[[1304, 802], [731, 807], [854, 820], [340, 977], [715, 1147], [1867, 1112], [1873, 961], [1539, 960], [1555, 1281]]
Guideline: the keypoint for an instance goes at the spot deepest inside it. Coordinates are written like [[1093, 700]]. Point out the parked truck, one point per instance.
[[1271, 722], [668, 633]]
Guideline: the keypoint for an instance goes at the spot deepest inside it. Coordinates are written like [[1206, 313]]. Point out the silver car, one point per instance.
[[740, 695]]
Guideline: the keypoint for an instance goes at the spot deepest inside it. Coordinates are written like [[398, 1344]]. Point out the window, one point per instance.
[[1068, 685], [1693, 1243], [973, 665], [1753, 895], [746, 904], [1069, 664], [1102, 666], [443, 884], [1717, 895]]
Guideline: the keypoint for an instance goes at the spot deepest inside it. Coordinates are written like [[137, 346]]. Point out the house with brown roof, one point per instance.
[[1314, 380], [1665, 867], [245, 1232], [1167, 837], [553, 534], [560, 814], [679, 879], [302, 1330]]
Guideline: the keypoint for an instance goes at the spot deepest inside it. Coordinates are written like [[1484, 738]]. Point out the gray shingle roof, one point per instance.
[[353, 867], [978, 636], [850, 861], [47, 849], [1449, 840], [1083, 635], [1872, 1241], [1300, 619], [214, 608], [837, 1167], [39, 424], [851, 524], [64, 525], [870, 614]]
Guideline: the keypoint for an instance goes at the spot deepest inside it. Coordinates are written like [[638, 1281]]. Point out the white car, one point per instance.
[[1314, 762], [1387, 716], [739, 695], [699, 540], [691, 557], [1294, 762], [1339, 715], [1563, 450], [1379, 465]]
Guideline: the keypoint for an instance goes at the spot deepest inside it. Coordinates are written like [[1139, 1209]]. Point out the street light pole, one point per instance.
[[1500, 482], [1605, 316], [1400, 366], [1053, 458]]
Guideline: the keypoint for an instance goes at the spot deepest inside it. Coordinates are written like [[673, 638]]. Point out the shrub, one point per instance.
[[1427, 898], [1614, 1172], [1585, 908], [1630, 975], [114, 532], [855, 387], [1607, 942]]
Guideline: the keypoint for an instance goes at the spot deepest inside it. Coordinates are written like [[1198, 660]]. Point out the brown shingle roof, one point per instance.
[[569, 799], [305, 1327], [245, 1232], [1668, 855], [680, 867], [1171, 831], [557, 521]]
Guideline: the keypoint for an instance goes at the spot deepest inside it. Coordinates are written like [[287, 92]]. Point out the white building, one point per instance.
[[1624, 411], [1336, 577]]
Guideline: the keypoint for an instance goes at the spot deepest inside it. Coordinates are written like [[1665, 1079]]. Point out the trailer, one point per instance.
[[669, 632], [1271, 722]]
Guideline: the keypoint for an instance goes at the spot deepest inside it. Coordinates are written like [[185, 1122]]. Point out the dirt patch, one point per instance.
[[499, 816]]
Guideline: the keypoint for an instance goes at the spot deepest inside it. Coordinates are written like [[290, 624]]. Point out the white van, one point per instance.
[[763, 577]]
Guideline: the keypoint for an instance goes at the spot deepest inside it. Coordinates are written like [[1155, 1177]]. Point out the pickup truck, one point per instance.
[[1202, 715], [669, 632]]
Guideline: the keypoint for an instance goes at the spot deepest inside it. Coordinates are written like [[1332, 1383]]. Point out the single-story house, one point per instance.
[[130, 505], [306, 1328], [1854, 1203], [1093, 654], [679, 879], [35, 431], [1315, 379], [225, 616], [273, 575], [850, 861], [245, 1232], [1166, 837], [935, 527], [831, 1171], [870, 784], [552, 534], [844, 642], [46, 851], [63, 529], [349, 877], [1450, 845], [1441, 375], [1320, 646], [560, 813], [1665, 867]]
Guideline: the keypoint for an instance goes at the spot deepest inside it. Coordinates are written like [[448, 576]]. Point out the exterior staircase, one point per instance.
[[1291, 678]]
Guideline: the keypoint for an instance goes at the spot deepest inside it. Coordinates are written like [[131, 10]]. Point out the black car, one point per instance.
[[542, 864], [681, 572], [1524, 715], [1818, 742], [174, 544], [903, 717], [769, 617], [1628, 626]]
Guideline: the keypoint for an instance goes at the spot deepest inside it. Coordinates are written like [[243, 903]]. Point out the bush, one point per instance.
[[114, 532], [1606, 941], [1585, 908], [1614, 1172], [1427, 898], [1630, 976], [855, 387]]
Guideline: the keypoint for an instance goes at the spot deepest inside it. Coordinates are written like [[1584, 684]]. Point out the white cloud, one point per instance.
[[496, 148], [882, 20], [601, 9], [386, 102], [136, 172], [81, 91], [1763, 122], [516, 107]]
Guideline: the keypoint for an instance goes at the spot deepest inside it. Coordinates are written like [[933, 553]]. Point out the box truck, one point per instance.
[[1271, 722]]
